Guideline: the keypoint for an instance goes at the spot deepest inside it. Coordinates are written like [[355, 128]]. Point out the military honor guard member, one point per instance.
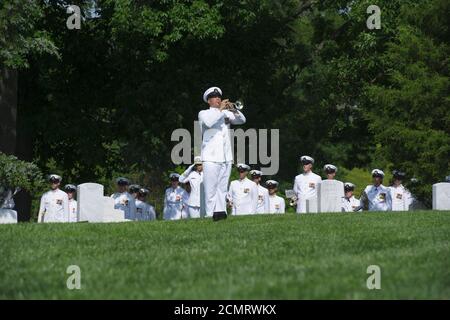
[[376, 195], [330, 171], [243, 193], [70, 189], [349, 202], [276, 203], [194, 177], [174, 200], [144, 211], [306, 184], [54, 206], [401, 197], [123, 200], [263, 194], [216, 153]]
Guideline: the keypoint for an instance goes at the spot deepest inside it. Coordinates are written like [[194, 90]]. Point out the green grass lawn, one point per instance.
[[255, 257]]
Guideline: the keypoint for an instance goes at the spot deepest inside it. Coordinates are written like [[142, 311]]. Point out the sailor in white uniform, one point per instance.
[[216, 150], [243, 193], [71, 189], [276, 203], [263, 194], [401, 197], [144, 211], [306, 184], [123, 200], [194, 177], [133, 190], [330, 171], [174, 199], [349, 202], [54, 206], [377, 195]]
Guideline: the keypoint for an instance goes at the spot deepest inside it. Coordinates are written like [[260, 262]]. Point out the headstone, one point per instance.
[[311, 204], [93, 206], [8, 216], [441, 196], [330, 193]]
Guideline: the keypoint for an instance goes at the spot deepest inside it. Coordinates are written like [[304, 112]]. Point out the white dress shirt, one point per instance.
[[54, 207], [144, 211], [73, 210], [379, 198], [305, 187], [243, 195], [350, 204], [125, 202], [216, 142], [195, 179], [276, 204], [262, 205], [401, 198]]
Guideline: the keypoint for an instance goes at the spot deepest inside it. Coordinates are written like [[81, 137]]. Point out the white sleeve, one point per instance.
[[210, 118], [230, 192], [132, 208], [266, 202], [296, 189], [254, 197], [185, 177], [41, 208], [66, 206], [283, 206], [236, 117]]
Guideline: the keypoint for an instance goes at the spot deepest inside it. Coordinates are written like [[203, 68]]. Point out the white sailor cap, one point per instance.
[[243, 166], [306, 159], [174, 176], [256, 173], [134, 188], [144, 191], [54, 177], [122, 181], [70, 188], [330, 168], [271, 183], [213, 90], [348, 186], [377, 173], [198, 160]]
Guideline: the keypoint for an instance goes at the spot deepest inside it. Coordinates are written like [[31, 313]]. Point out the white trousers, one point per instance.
[[193, 212], [215, 182]]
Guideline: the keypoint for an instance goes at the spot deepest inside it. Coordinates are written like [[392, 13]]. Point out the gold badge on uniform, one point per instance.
[[59, 201], [178, 198], [246, 190], [382, 196], [398, 195], [312, 185], [277, 206], [125, 202]]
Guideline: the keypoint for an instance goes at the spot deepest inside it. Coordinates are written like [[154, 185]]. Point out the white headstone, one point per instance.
[[311, 205], [441, 196], [330, 193], [93, 206], [8, 216]]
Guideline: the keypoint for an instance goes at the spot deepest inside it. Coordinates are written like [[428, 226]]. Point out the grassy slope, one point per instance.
[[262, 257]]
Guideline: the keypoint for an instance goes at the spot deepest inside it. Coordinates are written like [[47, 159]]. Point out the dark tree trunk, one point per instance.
[[8, 110]]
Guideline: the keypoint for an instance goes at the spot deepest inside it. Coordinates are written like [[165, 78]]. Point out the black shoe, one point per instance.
[[221, 215]]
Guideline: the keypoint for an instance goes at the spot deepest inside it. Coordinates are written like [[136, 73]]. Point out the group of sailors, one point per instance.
[[246, 195]]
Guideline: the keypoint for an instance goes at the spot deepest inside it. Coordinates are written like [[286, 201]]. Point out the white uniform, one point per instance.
[[276, 204], [243, 195], [144, 211], [379, 198], [305, 187], [217, 156], [125, 202], [73, 213], [195, 179], [401, 198], [174, 203], [350, 204], [262, 205], [54, 207]]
